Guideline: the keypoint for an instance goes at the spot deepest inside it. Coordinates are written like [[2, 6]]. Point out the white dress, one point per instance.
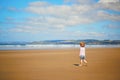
[[82, 51]]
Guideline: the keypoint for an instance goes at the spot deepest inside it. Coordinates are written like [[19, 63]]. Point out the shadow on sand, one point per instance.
[[76, 64]]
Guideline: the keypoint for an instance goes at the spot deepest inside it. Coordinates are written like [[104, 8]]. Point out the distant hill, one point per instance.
[[87, 41]]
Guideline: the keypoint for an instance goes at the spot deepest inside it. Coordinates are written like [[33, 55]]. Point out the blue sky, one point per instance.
[[36, 20]]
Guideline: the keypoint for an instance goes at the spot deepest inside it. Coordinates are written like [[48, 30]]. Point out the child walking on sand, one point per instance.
[[82, 53]]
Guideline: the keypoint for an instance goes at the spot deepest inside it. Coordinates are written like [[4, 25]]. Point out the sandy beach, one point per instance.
[[103, 64]]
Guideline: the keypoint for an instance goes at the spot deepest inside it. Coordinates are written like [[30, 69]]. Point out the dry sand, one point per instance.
[[103, 64]]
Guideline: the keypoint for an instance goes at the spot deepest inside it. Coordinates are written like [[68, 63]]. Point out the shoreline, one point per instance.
[[48, 47], [52, 49]]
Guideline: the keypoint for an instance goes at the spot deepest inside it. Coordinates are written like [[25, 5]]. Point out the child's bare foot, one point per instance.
[[80, 65]]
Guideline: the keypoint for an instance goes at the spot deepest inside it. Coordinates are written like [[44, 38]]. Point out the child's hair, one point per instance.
[[82, 44]]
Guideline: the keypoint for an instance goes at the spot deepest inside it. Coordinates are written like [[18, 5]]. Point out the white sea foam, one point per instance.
[[51, 46]]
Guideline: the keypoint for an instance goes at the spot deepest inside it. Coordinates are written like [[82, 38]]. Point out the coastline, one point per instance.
[[52, 46]]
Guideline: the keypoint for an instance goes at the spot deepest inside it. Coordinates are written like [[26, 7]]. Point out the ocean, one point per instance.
[[51, 46]]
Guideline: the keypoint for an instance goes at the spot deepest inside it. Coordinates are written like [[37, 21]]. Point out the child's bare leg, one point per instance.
[[85, 61], [81, 62]]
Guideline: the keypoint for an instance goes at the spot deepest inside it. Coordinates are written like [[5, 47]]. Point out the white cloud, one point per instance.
[[89, 34], [84, 35], [69, 15], [38, 4], [56, 18], [108, 1], [113, 26], [63, 15], [110, 4], [106, 16], [27, 29], [80, 1]]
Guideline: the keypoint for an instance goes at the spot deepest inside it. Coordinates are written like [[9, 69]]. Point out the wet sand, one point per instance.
[[103, 64]]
